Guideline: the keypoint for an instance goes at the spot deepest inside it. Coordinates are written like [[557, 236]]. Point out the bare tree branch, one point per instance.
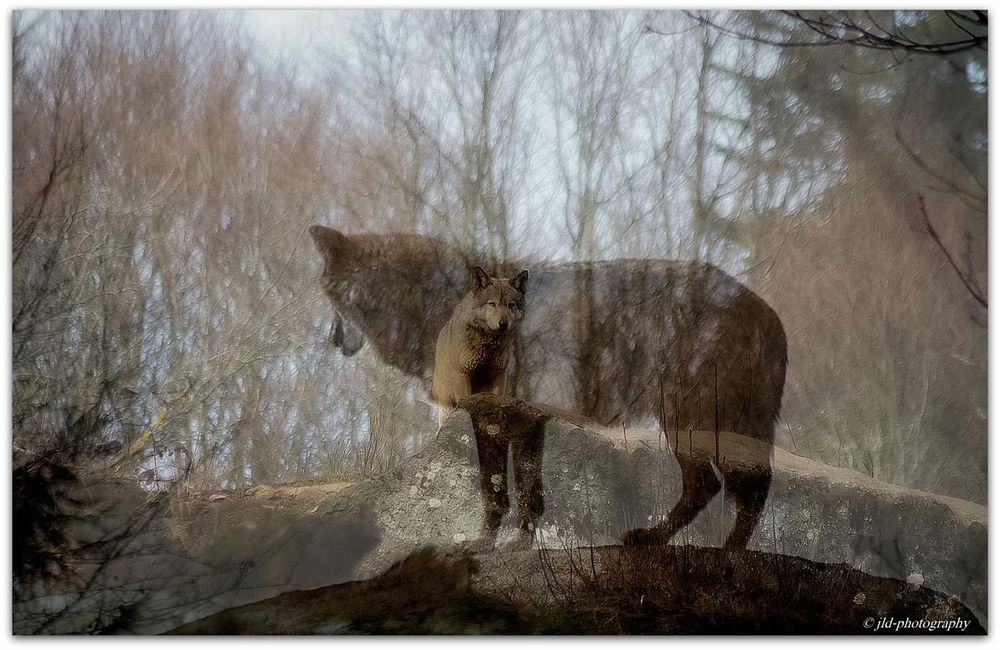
[[966, 276], [846, 31]]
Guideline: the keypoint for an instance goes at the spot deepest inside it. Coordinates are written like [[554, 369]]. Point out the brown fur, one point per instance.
[[618, 341], [473, 347]]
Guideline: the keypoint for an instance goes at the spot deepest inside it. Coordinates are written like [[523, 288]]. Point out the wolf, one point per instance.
[[473, 347], [625, 341]]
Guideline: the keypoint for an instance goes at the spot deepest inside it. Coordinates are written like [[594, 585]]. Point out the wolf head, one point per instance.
[[497, 303], [333, 246], [395, 291]]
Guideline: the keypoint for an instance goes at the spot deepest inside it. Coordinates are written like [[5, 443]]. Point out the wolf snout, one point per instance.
[[503, 325]]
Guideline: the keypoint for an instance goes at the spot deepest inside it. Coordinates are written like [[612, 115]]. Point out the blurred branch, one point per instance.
[[836, 30], [702, 20], [971, 285], [848, 31], [974, 201]]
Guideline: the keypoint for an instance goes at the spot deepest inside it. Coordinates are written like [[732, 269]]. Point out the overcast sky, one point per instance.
[[298, 34]]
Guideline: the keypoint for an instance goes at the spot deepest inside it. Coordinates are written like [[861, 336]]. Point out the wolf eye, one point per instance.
[[511, 305], [492, 303]]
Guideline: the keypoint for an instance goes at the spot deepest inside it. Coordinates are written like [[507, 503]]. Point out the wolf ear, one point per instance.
[[478, 278], [327, 240], [519, 280]]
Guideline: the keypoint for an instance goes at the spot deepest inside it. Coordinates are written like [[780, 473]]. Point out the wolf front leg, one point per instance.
[[491, 444], [527, 446], [500, 386]]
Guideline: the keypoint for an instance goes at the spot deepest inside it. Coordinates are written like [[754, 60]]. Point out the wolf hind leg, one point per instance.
[[699, 485], [750, 495], [749, 488]]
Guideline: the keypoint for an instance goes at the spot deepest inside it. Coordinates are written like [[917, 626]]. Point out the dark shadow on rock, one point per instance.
[[606, 590], [425, 593]]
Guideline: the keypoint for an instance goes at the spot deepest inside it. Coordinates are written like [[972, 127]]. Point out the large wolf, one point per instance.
[[616, 341]]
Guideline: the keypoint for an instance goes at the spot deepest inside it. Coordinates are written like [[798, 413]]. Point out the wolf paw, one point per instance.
[[473, 547], [642, 537], [523, 541]]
